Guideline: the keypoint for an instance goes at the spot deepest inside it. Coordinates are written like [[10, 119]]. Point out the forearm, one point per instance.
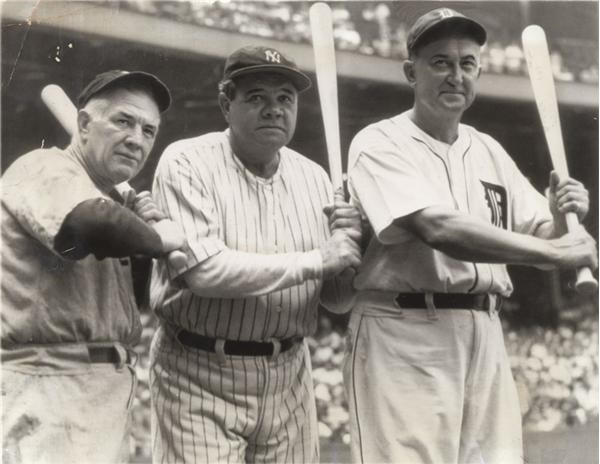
[[467, 238], [549, 230], [237, 274]]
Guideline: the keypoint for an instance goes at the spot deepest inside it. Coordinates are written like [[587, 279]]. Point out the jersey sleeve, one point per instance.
[[388, 184], [184, 194], [40, 193], [529, 208]]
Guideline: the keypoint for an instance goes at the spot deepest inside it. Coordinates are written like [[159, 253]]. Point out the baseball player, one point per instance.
[[230, 371], [68, 311], [427, 374]]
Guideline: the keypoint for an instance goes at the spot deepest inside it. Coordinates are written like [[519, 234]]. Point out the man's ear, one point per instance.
[[225, 104], [409, 71], [83, 123], [478, 72]]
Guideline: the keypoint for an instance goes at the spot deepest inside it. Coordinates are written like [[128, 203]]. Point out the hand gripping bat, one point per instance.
[[542, 83]]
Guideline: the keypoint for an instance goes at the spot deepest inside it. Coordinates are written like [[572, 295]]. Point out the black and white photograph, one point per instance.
[[299, 232]]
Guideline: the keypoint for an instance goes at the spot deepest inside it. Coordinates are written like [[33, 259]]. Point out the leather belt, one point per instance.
[[236, 347], [476, 301]]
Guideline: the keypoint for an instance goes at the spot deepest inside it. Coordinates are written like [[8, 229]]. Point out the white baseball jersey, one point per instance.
[[204, 187], [395, 169]]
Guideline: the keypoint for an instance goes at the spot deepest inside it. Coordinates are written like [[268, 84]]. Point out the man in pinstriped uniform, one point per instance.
[[230, 372]]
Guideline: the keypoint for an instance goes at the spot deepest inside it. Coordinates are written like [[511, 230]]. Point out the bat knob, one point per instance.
[[586, 284]]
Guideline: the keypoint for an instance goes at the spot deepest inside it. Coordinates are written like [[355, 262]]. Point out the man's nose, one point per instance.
[[134, 136], [456, 75], [273, 110]]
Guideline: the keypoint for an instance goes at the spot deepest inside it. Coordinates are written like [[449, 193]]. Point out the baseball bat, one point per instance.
[[321, 26], [537, 56], [63, 109]]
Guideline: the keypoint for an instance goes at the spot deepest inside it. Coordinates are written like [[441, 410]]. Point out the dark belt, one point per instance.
[[235, 347], [478, 301], [109, 355]]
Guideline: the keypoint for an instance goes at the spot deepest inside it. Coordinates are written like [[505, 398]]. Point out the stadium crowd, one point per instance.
[[368, 28]]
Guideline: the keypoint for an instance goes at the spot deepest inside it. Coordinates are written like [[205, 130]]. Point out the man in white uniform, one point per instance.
[[427, 373], [231, 377]]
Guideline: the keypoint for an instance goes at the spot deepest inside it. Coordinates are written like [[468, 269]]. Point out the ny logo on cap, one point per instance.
[[272, 56]]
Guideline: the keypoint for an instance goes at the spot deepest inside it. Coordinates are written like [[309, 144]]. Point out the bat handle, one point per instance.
[[585, 282]]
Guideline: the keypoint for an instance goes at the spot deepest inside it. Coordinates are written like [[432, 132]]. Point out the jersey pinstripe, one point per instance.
[[395, 169], [201, 185]]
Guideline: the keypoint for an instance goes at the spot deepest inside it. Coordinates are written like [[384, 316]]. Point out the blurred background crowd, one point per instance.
[[370, 28], [551, 333]]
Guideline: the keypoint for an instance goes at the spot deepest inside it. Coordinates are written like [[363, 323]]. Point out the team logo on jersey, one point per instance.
[[495, 196]]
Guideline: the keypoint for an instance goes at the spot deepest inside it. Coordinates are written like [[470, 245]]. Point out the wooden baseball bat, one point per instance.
[[537, 56], [63, 109], [321, 27]]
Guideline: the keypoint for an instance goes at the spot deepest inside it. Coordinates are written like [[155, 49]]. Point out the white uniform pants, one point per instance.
[[58, 408], [430, 387], [238, 409]]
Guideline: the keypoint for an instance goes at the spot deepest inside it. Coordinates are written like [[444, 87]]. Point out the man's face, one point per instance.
[[262, 115], [445, 73], [119, 134]]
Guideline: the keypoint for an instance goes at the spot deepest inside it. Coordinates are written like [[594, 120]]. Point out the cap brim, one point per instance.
[[471, 27], [300, 80]]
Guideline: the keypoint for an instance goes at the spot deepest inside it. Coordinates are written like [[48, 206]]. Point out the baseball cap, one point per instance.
[[443, 17], [116, 77], [254, 59]]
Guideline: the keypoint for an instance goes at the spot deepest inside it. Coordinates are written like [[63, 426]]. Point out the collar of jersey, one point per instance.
[[249, 174], [436, 146]]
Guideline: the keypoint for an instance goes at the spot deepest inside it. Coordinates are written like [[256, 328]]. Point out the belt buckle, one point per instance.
[[276, 347], [220, 350], [491, 300]]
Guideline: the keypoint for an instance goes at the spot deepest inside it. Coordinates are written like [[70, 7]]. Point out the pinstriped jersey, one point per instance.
[[204, 187], [396, 169]]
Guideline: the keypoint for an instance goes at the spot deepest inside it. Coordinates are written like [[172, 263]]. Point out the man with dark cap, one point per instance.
[[427, 373], [230, 370], [69, 318]]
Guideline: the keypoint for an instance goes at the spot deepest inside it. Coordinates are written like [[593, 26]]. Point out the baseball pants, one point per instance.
[[208, 408], [59, 408], [430, 386]]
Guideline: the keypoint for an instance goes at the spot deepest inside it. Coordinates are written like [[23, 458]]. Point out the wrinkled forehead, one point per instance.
[[138, 103]]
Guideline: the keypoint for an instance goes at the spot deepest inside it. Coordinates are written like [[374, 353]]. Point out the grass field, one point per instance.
[[576, 445]]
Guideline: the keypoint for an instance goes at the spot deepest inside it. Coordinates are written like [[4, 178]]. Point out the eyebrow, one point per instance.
[[446, 55], [263, 89], [131, 116]]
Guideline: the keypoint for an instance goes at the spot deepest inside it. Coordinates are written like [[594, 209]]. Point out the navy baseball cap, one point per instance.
[[115, 78], [442, 19], [254, 59]]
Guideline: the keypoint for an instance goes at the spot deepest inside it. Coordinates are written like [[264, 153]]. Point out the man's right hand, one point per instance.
[[339, 253], [575, 249]]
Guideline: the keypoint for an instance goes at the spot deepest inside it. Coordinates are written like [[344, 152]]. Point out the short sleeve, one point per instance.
[[530, 208], [388, 184], [185, 195], [41, 189]]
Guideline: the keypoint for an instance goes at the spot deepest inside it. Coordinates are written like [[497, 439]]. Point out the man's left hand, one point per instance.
[[343, 215], [145, 207], [567, 196]]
